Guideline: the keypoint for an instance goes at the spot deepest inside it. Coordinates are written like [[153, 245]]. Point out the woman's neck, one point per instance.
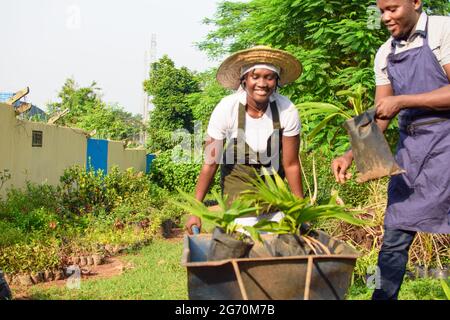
[[256, 110]]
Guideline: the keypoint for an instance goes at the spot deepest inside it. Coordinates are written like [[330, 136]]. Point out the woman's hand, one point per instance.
[[193, 221]]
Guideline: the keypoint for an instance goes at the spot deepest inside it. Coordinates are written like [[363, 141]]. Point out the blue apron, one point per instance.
[[419, 200]]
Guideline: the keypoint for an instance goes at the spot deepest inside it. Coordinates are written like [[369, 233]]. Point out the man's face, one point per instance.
[[399, 16], [260, 84]]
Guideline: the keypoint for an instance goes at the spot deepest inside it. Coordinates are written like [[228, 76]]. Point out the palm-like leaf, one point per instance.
[[274, 192], [223, 218], [446, 288], [331, 111]]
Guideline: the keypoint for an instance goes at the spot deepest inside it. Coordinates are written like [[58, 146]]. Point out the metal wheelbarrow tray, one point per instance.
[[262, 277]]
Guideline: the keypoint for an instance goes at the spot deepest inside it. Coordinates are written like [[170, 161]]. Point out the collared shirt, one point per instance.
[[438, 40], [223, 123]]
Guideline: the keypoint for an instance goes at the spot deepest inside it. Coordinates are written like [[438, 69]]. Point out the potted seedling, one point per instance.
[[292, 236], [229, 239]]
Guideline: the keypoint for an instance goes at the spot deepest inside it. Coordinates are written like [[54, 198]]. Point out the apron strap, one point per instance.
[[275, 115], [241, 130]]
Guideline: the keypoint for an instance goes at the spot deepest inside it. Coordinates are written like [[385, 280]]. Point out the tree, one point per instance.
[[169, 87], [87, 111], [79, 101], [333, 39], [202, 103]]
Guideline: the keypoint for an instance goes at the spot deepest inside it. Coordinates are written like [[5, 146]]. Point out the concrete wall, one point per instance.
[[126, 158], [62, 147]]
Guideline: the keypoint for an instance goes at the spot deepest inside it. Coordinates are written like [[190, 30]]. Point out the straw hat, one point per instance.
[[229, 72]]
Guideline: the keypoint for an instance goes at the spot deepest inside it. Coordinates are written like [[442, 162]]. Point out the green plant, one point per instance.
[[274, 193], [338, 110], [9, 234], [35, 256], [83, 191], [352, 193], [170, 174], [446, 288], [223, 218]]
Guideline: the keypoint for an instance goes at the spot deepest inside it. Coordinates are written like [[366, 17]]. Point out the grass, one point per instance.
[[419, 289], [158, 275]]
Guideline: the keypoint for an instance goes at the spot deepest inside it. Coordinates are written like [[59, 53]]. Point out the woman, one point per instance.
[[253, 128]]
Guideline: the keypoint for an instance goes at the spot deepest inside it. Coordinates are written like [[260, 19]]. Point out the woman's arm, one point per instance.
[[291, 164], [213, 151]]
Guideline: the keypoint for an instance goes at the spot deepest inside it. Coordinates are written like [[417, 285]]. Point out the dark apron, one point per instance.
[[241, 163], [419, 200]]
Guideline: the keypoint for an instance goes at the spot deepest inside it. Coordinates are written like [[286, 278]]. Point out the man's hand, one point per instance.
[[193, 221], [340, 166], [388, 107]]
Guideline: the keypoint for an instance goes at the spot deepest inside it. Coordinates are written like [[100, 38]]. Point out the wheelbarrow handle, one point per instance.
[[195, 229]]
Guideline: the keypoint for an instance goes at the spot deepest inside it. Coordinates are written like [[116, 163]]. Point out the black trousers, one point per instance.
[[392, 261]]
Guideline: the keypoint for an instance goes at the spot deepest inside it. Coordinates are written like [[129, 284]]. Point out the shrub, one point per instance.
[[33, 196], [351, 192], [35, 256], [9, 234], [85, 191], [170, 175]]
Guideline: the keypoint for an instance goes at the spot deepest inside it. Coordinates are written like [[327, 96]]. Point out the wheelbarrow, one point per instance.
[[263, 277]]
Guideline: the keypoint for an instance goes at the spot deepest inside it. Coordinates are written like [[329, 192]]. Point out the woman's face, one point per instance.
[[260, 84]]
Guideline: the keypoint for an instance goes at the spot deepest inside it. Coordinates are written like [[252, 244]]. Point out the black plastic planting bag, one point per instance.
[[287, 245], [373, 157], [224, 246]]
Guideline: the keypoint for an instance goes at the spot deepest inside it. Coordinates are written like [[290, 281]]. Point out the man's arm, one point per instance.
[[340, 165], [438, 99], [291, 164]]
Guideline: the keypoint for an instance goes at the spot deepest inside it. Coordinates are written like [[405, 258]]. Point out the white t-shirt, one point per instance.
[[224, 120], [438, 40]]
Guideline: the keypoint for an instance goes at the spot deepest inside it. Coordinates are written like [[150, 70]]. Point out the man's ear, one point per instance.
[[418, 5]]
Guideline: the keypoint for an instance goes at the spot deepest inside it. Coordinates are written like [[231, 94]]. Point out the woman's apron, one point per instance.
[[241, 163], [419, 200]]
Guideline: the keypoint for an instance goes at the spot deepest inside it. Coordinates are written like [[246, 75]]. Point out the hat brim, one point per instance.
[[229, 72]]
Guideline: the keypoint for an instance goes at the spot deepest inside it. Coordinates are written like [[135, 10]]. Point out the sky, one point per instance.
[[42, 43]]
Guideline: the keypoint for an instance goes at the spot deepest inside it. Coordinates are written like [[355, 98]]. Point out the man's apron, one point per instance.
[[419, 200], [241, 163]]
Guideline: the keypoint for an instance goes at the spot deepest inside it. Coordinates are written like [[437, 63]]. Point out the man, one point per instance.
[[412, 80]]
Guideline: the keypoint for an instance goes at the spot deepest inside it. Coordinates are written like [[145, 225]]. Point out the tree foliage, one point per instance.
[[336, 41], [202, 103], [169, 86], [87, 111]]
